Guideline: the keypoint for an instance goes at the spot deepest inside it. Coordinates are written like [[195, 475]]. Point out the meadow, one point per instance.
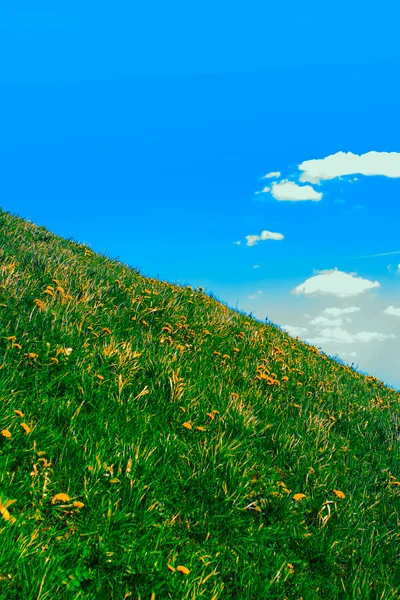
[[156, 444]]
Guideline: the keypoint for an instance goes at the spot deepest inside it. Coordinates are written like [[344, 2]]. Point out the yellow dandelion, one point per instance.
[[339, 493], [182, 569], [61, 497], [78, 504], [187, 425], [299, 496], [19, 412], [5, 433], [4, 512], [200, 428], [100, 377], [39, 303], [25, 427], [107, 330], [171, 568]]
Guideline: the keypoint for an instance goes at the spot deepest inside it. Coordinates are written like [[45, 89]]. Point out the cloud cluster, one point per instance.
[[331, 322], [331, 167]]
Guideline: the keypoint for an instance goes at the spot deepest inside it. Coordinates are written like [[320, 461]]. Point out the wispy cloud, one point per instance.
[[382, 254], [255, 296]]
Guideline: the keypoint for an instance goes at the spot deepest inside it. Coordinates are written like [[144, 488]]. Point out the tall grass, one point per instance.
[[155, 444]]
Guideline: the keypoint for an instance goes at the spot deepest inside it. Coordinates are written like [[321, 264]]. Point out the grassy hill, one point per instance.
[[156, 444]]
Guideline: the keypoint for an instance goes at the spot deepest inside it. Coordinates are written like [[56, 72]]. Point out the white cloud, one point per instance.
[[265, 235], [272, 174], [324, 321], [347, 163], [338, 316], [237, 243], [336, 283], [256, 267], [264, 190], [288, 190], [392, 311], [342, 336], [336, 312]]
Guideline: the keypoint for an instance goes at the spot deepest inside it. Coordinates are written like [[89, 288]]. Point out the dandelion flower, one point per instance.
[[183, 569], [339, 493], [61, 497], [299, 496]]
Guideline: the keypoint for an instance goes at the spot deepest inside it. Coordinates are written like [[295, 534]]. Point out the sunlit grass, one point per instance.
[[155, 444]]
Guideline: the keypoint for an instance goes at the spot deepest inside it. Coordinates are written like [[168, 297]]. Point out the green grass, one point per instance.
[[180, 433]]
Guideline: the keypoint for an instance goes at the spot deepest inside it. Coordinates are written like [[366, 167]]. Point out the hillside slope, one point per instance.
[[156, 444]]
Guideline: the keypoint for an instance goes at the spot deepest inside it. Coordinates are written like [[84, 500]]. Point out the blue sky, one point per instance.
[[148, 131]]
